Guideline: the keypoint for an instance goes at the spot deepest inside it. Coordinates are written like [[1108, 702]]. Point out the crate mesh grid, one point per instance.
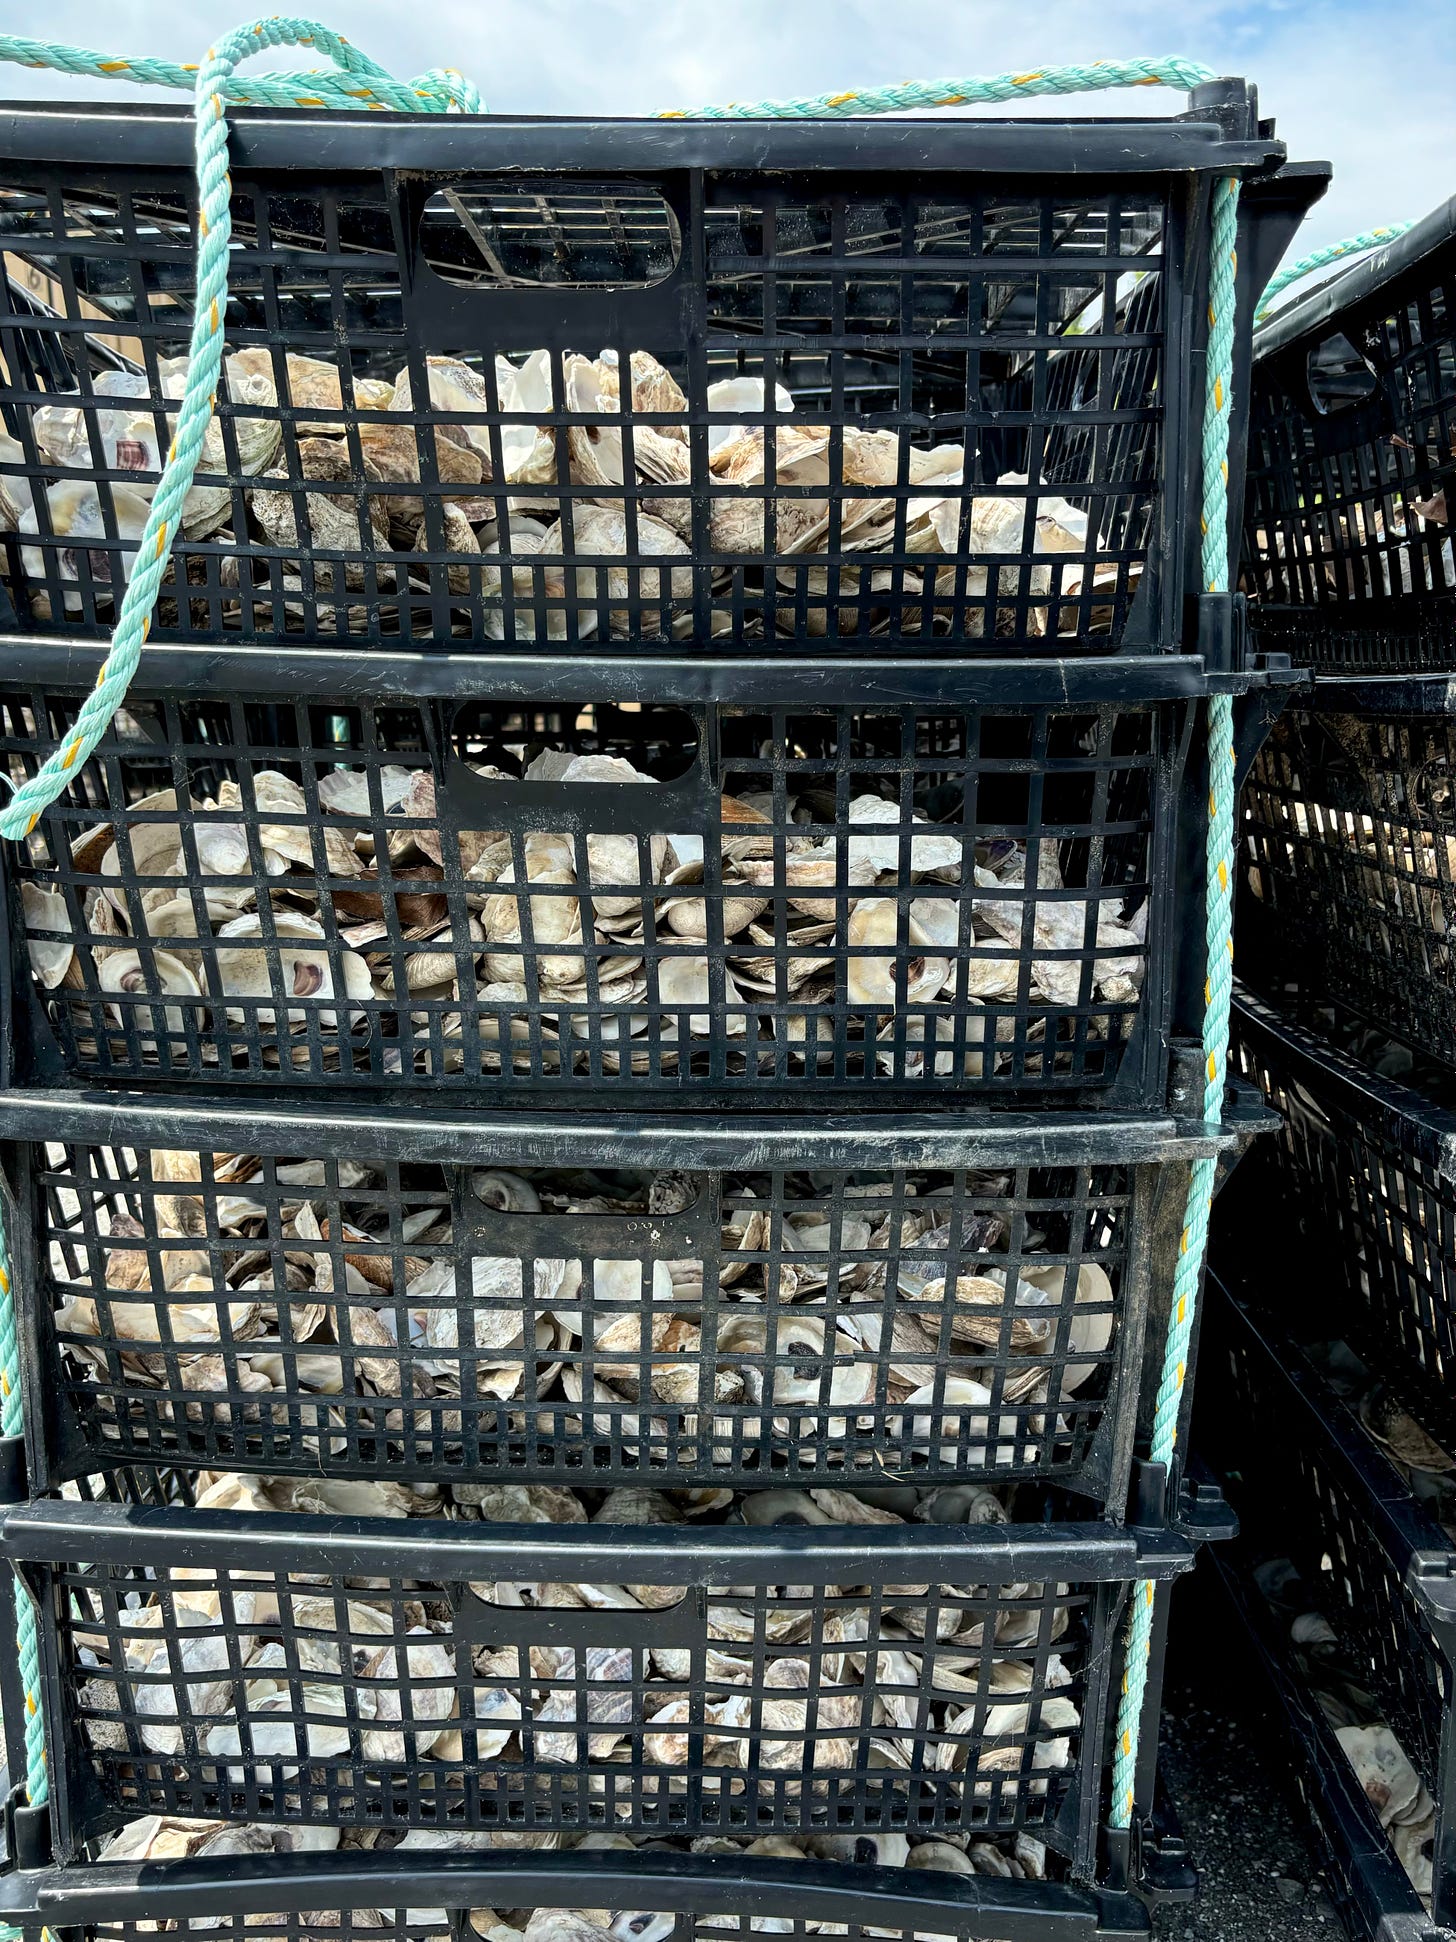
[[1325, 1521], [955, 1760], [421, 1925], [913, 313], [1351, 444], [1349, 852], [1081, 793], [1362, 1874], [147, 1297], [1365, 1187]]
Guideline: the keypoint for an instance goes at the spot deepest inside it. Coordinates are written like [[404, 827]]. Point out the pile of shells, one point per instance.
[[1407, 874], [1395, 1791], [494, 505], [1422, 1461], [962, 1704], [161, 1839], [201, 957], [1337, 1681], [795, 1289]]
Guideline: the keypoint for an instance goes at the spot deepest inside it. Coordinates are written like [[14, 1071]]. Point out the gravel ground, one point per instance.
[[1227, 1768]]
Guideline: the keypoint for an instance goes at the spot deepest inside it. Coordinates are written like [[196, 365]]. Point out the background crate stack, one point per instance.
[[1342, 1571], [1337, 1340], [592, 1189]]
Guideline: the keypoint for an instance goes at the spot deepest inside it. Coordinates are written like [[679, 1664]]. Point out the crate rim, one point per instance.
[[1355, 285], [1376, 694], [262, 139], [320, 673], [696, 1884], [1419, 1549], [60, 1531], [401, 1125], [1423, 1127], [1344, 1818]]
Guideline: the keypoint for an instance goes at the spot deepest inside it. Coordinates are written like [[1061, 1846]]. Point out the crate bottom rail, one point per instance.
[[692, 1895]]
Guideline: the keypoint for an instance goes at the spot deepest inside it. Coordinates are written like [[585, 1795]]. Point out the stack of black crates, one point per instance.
[[490, 1382], [1329, 1407]]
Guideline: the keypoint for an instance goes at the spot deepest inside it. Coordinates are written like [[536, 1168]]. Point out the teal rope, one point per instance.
[[362, 83], [27, 1641], [1218, 988], [1168, 71], [34, 795], [214, 224], [214, 86], [1317, 259]]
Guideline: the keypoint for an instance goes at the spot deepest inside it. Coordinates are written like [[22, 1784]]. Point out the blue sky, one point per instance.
[[1348, 82]]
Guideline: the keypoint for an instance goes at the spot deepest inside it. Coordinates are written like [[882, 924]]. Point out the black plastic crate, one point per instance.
[[1361, 1872], [1352, 449], [1348, 869], [939, 309], [829, 884], [371, 1671], [1364, 1170], [664, 1897], [742, 1303], [1311, 1486]]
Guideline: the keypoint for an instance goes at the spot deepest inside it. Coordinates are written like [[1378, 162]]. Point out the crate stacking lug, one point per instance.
[[1431, 1581], [27, 1833], [1223, 631], [14, 1479]]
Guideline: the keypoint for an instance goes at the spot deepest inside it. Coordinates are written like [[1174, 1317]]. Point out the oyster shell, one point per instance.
[[306, 968], [85, 547], [47, 934]]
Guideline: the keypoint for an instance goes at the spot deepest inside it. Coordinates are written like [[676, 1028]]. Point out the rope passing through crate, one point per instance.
[[1218, 986], [362, 82], [204, 361], [27, 1641], [1318, 258], [362, 79]]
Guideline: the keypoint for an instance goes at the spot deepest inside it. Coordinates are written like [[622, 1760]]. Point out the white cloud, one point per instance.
[[1347, 83]]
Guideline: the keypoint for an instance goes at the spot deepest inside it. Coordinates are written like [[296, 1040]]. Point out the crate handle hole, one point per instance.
[[554, 231], [1340, 377]]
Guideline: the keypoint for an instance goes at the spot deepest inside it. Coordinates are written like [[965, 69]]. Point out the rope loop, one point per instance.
[[362, 83], [210, 83]]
